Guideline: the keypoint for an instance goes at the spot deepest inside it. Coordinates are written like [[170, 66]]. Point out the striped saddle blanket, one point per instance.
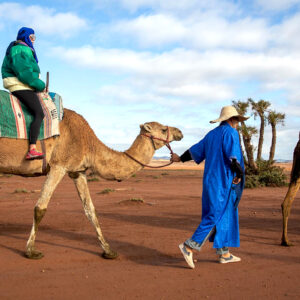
[[15, 118]]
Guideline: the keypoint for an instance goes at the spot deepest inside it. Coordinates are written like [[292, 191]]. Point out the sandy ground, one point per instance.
[[146, 236]]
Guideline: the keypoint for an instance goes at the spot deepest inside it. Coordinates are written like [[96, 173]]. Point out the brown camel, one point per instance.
[[291, 193], [75, 151]]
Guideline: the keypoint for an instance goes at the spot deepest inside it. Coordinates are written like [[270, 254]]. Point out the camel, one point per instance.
[[291, 193], [74, 152]]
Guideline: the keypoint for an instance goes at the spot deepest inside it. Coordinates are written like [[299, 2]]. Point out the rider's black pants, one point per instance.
[[31, 101]]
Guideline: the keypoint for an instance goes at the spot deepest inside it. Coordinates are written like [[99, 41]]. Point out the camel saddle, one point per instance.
[[15, 118]]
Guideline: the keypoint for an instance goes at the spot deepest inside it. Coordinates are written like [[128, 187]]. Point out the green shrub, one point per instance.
[[252, 181], [266, 175]]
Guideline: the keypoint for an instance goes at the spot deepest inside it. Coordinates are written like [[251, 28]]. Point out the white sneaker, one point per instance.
[[230, 259], [188, 255]]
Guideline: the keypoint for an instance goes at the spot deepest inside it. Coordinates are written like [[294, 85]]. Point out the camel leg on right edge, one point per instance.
[[89, 209], [286, 208], [53, 178]]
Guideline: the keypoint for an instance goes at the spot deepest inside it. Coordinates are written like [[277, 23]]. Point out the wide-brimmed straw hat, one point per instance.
[[228, 112]]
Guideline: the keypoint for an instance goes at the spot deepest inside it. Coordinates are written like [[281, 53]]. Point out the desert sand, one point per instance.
[[146, 234]]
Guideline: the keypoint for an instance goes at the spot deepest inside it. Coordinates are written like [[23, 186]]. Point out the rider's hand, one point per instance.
[[175, 158], [236, 180]]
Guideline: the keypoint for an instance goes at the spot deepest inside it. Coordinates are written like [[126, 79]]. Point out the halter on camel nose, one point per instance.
[[167, 143]]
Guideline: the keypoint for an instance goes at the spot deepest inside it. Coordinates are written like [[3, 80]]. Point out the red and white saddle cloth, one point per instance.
[[15, 119]]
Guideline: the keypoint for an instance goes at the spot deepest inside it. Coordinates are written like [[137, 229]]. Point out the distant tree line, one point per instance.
[[260, 172]]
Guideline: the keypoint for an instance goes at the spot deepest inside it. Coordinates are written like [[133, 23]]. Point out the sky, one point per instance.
[[121, 63]]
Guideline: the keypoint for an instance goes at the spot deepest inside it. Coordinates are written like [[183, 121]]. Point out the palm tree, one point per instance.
[[274, 118], [259, 109], [247, 133]]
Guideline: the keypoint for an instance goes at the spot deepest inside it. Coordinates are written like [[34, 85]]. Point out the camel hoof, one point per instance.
[[34, 254], [110, 255], [286, 243]]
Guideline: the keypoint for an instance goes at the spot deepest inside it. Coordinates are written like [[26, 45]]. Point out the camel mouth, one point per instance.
[[178, 136]]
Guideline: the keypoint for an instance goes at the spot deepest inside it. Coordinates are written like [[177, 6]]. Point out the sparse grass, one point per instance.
[[164, 173], [133, 201], [155, 177], [35, 191], [5, 175], [137, 199], [106, 191], [133, 175], [20, 191], [93, 179]]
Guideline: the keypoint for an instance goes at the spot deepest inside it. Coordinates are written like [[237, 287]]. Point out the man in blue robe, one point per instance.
[[223, 183]]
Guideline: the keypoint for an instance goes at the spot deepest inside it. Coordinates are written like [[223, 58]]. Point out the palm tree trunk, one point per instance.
[[273, 144], [261, 137], [243, 152], [249, 150]]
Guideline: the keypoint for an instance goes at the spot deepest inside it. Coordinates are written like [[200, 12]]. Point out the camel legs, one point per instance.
[[89, 209], [286, 208], [53, 178]]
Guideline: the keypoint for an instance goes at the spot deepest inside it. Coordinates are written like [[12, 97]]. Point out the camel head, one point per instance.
[[160, 134]]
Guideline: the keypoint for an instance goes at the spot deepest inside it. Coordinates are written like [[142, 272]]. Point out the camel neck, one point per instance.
[[115, 165]]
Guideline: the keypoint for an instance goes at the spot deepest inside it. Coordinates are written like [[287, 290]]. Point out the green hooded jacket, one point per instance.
[[20, 65]]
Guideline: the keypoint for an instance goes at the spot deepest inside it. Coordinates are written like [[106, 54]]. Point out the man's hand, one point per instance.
[[236, 180], [175, 158]]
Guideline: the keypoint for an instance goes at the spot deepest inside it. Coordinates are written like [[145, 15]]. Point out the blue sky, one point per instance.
[[121, 63]]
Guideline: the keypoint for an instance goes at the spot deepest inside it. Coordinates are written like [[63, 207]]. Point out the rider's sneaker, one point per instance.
[[34, 154]]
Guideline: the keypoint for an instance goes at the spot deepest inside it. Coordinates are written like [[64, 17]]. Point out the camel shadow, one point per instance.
[[184, 222], [271, 256], [136, 253]]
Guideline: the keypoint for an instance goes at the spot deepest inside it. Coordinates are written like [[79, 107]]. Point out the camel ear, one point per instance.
[[146, 126]]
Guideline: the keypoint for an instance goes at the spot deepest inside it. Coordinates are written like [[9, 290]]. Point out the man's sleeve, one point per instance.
[[236, 168], [186, 156], [232, 151], [198, 151]]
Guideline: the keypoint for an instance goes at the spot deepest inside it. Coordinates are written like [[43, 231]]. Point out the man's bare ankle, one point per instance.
[[226, 255], [188, 248]]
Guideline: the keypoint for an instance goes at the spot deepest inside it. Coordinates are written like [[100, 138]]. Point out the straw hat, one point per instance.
[[228, 112]]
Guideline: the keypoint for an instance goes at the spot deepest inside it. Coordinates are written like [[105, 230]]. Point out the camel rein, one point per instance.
[[154, 138]]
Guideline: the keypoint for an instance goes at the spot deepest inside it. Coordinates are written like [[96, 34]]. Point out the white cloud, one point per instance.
[[285, 35], [276, 5], [43, 20], [155, 30], [201, 32], [182, 7], [184, 73], [203, 90]]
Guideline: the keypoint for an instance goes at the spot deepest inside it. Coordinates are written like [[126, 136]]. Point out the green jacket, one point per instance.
[[20, 65]]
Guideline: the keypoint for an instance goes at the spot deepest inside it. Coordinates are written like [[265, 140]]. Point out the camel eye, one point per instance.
[[164, 130]]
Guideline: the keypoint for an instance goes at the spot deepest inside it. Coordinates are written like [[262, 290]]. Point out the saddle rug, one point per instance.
[[15, 118]]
